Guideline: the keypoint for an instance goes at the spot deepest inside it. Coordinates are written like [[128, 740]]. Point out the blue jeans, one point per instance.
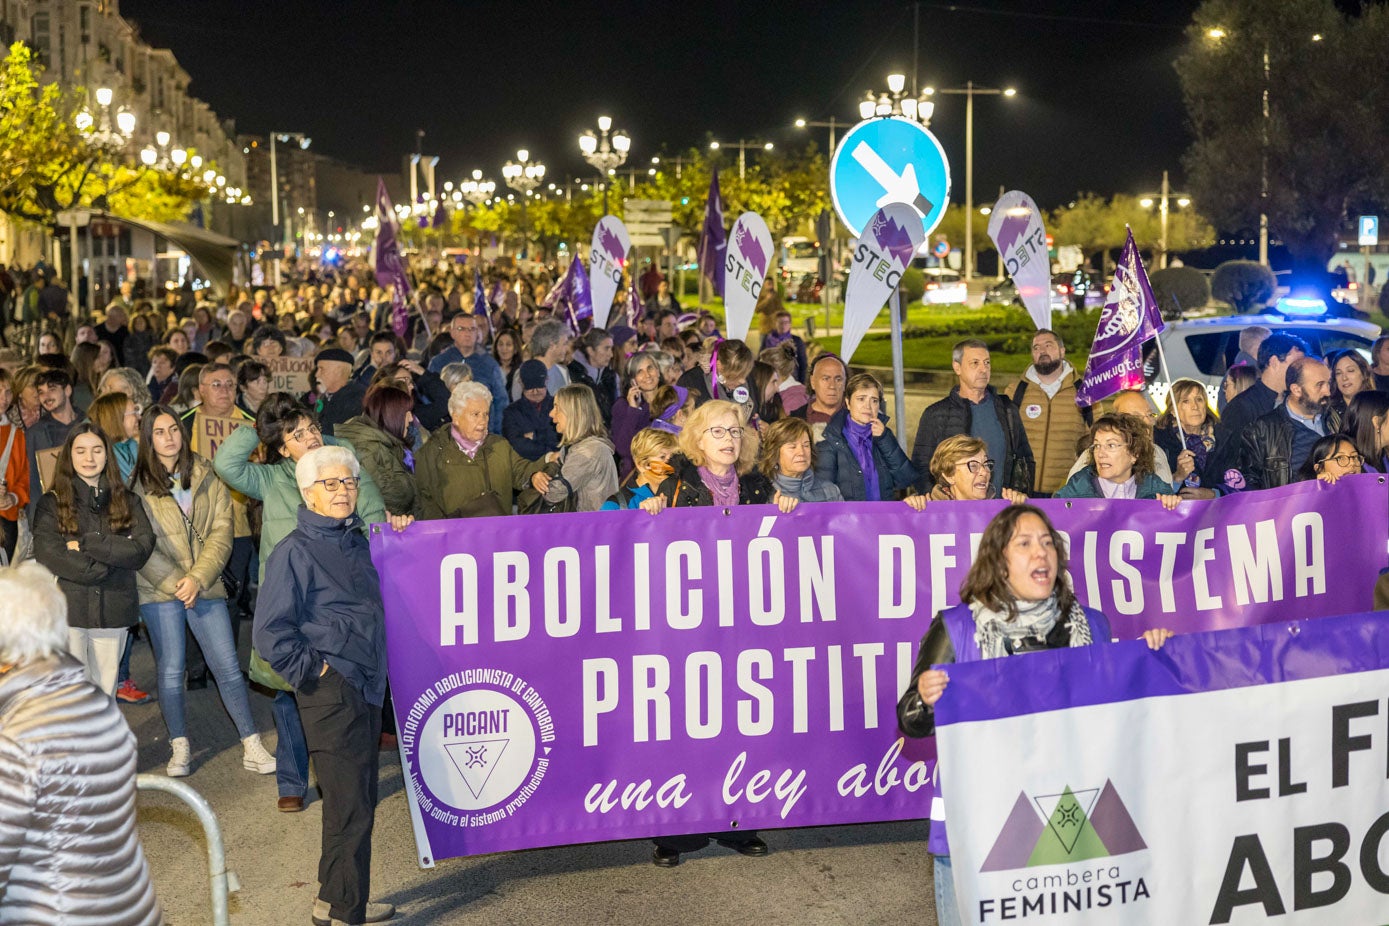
[[291, 748], [208, 620], [947, 907]]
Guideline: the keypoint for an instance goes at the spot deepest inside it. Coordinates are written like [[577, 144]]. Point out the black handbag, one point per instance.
[[538, 505]]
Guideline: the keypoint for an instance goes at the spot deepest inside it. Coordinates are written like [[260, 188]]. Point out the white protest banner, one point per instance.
[[745, 268], [1233, 776], [881, 254], [607, 256], [1015, 225]]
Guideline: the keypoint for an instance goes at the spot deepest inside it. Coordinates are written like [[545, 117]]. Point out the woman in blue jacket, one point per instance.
[[1121, 455], [1016, 599], [858, 452]]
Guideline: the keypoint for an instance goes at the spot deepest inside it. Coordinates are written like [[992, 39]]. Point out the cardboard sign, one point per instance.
[[209, 432], [47, 460], [291, 374]]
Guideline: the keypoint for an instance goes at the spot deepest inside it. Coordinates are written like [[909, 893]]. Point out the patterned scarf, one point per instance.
[[860, 438], [997, 636]]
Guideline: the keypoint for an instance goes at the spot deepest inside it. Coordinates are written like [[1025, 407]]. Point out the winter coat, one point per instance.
[[685, 488], [1086, 484], [448, 479], [587, 469], [16, 471], [524, 417], [275, 485], [341, 406], [836, 464], [953, 415], [604, 387], [1266, 448], [69, 849], [178, 551], [1054, 426], [627, 422], [99, 578], [384, 458], [321, 602]]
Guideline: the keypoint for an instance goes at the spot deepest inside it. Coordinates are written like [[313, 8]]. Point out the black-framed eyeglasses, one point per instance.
[[302, 434], [1345, 459], [721, 433], [976, 466], [332, 485]]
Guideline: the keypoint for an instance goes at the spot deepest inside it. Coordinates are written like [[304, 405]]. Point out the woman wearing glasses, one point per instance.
[[1330, 458], [289, 431], [858, 452], [963, 472], [1121, 464]]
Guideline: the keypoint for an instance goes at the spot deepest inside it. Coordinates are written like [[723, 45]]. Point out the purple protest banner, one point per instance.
[[713, 240], [1129, 318], [586, 677], [389, 266]]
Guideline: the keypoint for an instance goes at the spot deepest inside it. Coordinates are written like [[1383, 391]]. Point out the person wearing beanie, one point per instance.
[[339, 397], [526, 424]]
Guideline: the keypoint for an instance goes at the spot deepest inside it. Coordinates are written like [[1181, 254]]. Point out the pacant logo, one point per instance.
[[1073, 826]]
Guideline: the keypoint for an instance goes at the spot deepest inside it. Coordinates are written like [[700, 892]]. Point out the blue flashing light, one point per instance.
[[1302, 306]]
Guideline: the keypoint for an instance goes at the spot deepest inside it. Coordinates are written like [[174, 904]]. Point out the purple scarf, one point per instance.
[[860, 438], [724, 489]]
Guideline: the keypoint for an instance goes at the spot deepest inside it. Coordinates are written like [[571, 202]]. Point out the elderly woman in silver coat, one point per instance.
[[69, 851]]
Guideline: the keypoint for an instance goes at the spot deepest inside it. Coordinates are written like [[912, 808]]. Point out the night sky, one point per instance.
[[1098, 106]]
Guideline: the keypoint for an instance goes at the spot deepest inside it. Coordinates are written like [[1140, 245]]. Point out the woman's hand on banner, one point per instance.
[[399, 522], [787, 503], [1169, 501], [1156, 637], [653, 505], [916, 502], [931, 685]]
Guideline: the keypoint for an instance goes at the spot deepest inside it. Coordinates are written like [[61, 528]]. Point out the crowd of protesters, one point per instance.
[[500, 405]]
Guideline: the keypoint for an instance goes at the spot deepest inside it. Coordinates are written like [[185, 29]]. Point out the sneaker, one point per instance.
[[255, 758], [127, 693], [376, 913], [182, 758]]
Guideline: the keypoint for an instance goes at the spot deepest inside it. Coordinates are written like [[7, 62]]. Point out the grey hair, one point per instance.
[[33, 614], [134, 384], [454, 373], [958, 353], [317, 460], [546, 335], [664, 362], [467, 392]]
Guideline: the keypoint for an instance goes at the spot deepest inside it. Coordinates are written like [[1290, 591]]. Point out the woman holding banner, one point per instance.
[[1016, 599], [716, 463], [788, 460], [1121, 465], [962, 472]]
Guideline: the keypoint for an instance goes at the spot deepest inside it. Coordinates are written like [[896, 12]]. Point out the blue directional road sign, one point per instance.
[[889, 160]]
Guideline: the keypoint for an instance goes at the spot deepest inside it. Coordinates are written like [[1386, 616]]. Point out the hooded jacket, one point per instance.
[[69, 849]]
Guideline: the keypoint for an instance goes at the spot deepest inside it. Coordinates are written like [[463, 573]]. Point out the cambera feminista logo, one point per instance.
[[1073, 826]]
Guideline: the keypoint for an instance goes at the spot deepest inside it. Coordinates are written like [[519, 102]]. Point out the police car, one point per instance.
[[1204, 348]]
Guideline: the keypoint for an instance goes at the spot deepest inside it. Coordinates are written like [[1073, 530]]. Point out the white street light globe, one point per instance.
[[1146, 202], [103, 96], [895, 82], [909, 107], [178, 156], [605, 123], [1183, 202], [713, 146], [161, 139], [523, 154], [767, 146], [866, 108], [622, 143], [588, 144], [84, 121], [148, 156], [125, 122]]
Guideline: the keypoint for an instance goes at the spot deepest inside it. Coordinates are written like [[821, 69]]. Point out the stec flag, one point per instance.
[[389, 267], [1129, 318]]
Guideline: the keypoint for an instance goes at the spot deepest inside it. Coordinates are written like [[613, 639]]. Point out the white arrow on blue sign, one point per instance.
[[889, 160]]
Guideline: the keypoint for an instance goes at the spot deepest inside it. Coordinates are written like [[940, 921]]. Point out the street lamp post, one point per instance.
[[742, 145], [523, 175], [828, 245], [110, 137], [970, 91], [477, 191], [1162, 199], [605, 152]]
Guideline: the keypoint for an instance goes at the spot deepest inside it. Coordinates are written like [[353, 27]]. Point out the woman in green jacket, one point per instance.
[[289, 430], [382, 437]]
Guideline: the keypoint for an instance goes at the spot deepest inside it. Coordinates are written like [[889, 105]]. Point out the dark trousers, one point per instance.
[[696, 841], [342, 730], [239, 567]]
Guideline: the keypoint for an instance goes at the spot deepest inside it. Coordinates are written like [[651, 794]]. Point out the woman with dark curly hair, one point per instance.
[[1121, 452], [1350, 375], [1016, 599]]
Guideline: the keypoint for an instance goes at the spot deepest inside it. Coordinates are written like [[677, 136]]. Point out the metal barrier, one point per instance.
[[224, 882]]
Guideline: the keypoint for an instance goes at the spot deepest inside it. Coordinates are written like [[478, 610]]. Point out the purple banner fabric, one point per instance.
[[390, 268], [713, 240], [571, 296], [617, 675], [1129, 318], [480, 306]]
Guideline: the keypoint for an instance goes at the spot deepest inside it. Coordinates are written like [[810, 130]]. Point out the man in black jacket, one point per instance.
[[974, 408], [1274, 447], [339, 398], [1276, 353]]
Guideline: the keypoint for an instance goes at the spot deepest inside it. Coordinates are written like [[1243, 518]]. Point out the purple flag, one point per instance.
[[480, 306], [571, 295], [441, 218], [713, 240], [636, 309], [1129, 318], [390, 268]]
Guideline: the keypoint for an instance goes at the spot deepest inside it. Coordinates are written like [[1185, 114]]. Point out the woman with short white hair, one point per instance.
[[69, 850], [463, 471], [320, 623]]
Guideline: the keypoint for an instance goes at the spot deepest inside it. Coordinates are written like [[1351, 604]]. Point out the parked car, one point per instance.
[[943, 286], [1006, 293], [1204, 348]]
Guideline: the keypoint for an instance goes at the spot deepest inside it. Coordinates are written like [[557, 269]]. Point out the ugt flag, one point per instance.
[[1129, 318], [713, 240], [571, 294], [390, 268], [480, 298]]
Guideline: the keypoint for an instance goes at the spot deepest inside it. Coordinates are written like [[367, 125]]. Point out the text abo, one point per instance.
[[1325, 855]]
